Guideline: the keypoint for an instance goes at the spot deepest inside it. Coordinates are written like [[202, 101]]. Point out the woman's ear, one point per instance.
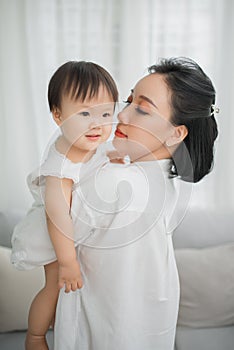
[[179, 134], [56, 115]]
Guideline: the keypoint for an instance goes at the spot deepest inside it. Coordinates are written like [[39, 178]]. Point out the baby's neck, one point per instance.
[[71, 152]]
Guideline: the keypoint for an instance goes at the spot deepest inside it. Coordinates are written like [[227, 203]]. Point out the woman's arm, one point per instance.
[[57, 204]]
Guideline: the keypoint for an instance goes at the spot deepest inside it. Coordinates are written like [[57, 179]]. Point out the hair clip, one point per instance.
[[214, 109]]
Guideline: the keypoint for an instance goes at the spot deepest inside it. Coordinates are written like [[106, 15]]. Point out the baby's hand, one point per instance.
[[70, 275]]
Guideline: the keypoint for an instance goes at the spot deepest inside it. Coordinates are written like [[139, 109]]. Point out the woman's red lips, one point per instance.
[[120, 134]]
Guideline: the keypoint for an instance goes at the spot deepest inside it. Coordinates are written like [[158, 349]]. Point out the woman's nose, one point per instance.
[[123, 117]]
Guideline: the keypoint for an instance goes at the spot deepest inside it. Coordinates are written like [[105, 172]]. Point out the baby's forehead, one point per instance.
[[102, 102], [90, 96]]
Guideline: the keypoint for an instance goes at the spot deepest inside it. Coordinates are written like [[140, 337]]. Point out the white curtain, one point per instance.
[[124, 36], [224, 76]]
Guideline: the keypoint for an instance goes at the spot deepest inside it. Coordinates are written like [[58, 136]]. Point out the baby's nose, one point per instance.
[[95, 123]]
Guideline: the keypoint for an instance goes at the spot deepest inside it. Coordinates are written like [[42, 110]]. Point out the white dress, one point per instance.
[[31, 244], [130, 296]]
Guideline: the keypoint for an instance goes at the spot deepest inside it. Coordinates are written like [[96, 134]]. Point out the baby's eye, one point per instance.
[[105, 115], [84, 114]]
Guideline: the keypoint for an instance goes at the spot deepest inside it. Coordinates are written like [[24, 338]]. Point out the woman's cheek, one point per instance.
[[158, 129]]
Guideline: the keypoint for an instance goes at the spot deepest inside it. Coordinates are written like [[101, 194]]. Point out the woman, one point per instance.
[[130, 296]]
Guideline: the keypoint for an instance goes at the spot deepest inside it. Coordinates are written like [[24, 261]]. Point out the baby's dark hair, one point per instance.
[[192, 104], [79, 80]]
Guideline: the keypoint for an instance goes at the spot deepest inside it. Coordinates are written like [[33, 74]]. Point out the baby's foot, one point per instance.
[[35, 342]]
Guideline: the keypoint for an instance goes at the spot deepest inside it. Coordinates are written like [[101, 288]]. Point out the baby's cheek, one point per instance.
[[71, 133], [107, 132]]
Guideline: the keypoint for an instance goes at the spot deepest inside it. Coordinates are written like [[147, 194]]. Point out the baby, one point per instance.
[[82, 98]]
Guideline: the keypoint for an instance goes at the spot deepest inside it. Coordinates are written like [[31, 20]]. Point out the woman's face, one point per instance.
[[144, 124]]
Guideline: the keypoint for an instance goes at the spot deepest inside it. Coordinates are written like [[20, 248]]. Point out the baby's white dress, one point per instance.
[[31, 244], [130, 296]]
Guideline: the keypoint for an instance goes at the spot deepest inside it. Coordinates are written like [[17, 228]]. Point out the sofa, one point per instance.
[[204, 249]]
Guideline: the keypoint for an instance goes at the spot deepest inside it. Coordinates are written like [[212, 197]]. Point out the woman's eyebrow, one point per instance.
[[148, 100]]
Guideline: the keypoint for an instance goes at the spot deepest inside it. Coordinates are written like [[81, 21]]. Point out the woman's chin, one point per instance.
[[132, 149], [121, 146]]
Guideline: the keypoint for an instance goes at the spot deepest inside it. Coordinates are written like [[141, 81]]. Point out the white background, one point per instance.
[[124, 36]]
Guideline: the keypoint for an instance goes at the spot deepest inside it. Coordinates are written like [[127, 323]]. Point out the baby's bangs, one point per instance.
[[82, 86]]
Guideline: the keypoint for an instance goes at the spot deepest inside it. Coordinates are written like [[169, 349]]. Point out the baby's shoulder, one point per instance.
[[54, 163]]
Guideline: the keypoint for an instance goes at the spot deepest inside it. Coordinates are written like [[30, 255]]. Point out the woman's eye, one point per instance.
[[129, 100], [84, 114], [140, 111], [105, 115]]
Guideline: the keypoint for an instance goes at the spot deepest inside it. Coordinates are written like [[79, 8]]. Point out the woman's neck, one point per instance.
[[162, 153]]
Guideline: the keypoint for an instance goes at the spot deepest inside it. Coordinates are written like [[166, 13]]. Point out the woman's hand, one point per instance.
[[115, 157], [69, 275]]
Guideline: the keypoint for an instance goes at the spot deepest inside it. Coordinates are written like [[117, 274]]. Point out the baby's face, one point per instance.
[[86, 124]]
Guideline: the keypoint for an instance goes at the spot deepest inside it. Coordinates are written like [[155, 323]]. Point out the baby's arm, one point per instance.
[[57, 203]]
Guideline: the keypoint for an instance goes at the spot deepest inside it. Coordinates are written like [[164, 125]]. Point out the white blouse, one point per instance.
[[130, 296]]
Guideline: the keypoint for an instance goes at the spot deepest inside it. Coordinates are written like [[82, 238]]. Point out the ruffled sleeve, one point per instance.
[[55, 164]]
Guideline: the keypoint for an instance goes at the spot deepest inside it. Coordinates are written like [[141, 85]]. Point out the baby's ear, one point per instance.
[[56, 115], [179, 134]]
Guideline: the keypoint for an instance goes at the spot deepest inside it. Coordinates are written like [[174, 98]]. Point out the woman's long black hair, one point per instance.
[[192, 103]]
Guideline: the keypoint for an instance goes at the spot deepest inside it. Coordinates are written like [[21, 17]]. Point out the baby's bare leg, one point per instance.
[[42, 310]]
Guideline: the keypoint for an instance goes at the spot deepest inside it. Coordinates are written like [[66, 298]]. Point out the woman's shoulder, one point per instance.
[[138, 170]]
